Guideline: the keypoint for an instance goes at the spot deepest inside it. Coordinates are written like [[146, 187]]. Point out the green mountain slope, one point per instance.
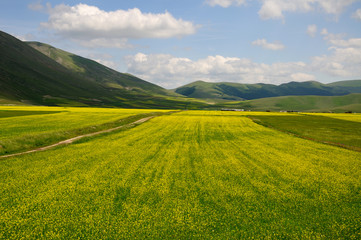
[[98, 72], [351, 102], [236, 91], [27, 75], [353, 86], [37, 73]]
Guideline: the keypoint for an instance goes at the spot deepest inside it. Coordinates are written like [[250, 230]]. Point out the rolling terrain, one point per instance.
[[347, 103], [96, 72], [38, 74], [29, 76], [225, 91], [352, 86]]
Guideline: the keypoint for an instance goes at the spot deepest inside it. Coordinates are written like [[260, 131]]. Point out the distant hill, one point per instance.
[[37, 73], [352, 86], [224, 91], [351, 102], [99, 73]]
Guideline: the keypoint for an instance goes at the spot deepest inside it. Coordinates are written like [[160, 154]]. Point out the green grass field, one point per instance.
[[24, 128], [336, 129], [343, 116], [188, 175], [339, 104]]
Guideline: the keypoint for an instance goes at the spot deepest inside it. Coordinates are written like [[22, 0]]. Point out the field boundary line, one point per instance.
[[71, 140], [340, 145]]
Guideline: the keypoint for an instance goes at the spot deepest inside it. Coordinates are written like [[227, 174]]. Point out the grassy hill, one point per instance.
[[351, 102], [98, 72], [235, 91], [37, 73], [353, 86], [27, 75]]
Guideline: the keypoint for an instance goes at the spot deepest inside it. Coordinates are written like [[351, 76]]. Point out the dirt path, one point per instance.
[[71, 140]]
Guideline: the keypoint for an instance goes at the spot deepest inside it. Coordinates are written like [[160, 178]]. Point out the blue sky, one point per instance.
[[173, 42]]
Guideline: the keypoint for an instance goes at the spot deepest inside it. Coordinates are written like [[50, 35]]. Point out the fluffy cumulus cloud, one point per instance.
[[275, 9], [312, 30], [301, 77], [266, 45], [344, 58], [225, 3], [338, 40], [170, 71], [357, 14], [100, 28], [334, 6], [349, 43]]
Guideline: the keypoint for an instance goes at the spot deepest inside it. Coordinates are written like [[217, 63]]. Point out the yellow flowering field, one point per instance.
[[356, 117], [188, 175], [26, 127]]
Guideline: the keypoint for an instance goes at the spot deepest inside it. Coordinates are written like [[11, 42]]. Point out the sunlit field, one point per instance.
[[29, 127], [342, 130], [356, 117], [188, 175]]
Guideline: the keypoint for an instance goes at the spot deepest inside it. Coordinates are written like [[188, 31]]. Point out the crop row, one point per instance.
[[190, 175]]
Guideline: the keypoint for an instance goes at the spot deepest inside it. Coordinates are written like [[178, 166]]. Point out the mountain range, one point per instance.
[[37, 73], [40, 74], [236, 91]]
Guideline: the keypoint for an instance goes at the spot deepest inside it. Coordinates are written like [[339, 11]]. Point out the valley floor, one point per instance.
[[187, 175]]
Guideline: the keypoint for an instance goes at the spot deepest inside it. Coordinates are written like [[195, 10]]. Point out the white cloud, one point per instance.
[[275, 9], [170, 71], [337, 40], [105, 42], [36, 6], [88, 23], [312, 30], [225, 3], [357, 14], [324, 31], [302, 77], [334, 6], [344, 59], [266, 45], [349, 43]]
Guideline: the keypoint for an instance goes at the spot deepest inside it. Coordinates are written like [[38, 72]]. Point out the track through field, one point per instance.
[[71, 140]]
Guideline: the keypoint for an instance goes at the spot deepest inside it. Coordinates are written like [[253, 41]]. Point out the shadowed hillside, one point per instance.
[[64, 79], [37, 73], [225, 91]]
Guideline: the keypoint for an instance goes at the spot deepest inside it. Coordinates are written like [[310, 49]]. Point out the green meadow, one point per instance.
[[185, 175], [24, 128], [343, 130]]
